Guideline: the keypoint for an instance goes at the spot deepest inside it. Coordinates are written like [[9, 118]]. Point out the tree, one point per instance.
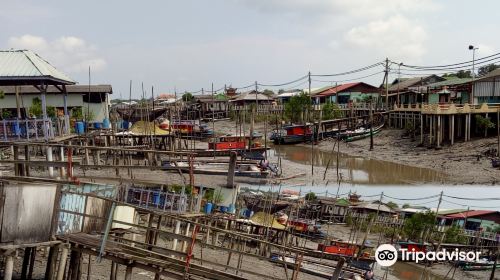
[[331, 111], [464, 74], [310, 196], [297, 106], [187, 97], [483, 70], [268, 92], [484, 123], [392, 205], [406, 205], [36, 109], [416, 225]]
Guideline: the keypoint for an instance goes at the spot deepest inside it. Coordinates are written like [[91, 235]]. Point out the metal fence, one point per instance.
[[34, 129]]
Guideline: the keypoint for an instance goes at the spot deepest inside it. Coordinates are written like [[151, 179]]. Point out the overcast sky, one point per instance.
[[189, 44]]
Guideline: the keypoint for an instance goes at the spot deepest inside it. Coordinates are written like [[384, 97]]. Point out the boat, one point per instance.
[[360, 133], [188, 128], [306, 228], [317, 268], [292, 134], [481, 265], [135, 114], [242, 169], [226, 152]]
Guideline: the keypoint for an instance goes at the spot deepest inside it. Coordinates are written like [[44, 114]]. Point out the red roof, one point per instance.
[[469, 214], [339, 88]]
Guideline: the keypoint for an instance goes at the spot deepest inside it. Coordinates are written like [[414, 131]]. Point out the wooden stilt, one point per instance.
[[9, 267]]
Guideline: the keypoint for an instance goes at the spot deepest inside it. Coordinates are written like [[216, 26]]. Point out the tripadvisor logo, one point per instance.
[[387, 255]]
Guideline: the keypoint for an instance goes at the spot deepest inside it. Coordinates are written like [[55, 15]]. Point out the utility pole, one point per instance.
[[213, 115], [498, 132], [370, 225], [386, 83], [313, 127], [371, 125]]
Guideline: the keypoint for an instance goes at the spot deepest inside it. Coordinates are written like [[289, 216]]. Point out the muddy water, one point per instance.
[[404, 271], [356, 169]]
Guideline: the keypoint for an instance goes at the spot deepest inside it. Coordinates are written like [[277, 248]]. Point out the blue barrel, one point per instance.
[[223, 209], [16, 128], [208, 208], [156, 198], [231, 209], [97, 125], [106, 123], [125, 124], [80, 128]]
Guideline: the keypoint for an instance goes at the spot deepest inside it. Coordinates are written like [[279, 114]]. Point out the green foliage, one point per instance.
[[77, 113], [268, 92], [460, 74], [297, 107], [483, 70], [36, 109], [213, 196], [392, 205], [6, 114], [2, 94], [187, 97], [310, 196], [453, 235], [178, 189], [484, 123], [418, 224], [331, 111], [406, 205]]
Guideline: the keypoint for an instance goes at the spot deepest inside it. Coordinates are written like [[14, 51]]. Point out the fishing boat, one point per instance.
[[306, 228], [481, 265], [360, 133], [242, 169], [317, 268], [241, 144], [135, 114], [292, 134], [188, 128], [350, 250]]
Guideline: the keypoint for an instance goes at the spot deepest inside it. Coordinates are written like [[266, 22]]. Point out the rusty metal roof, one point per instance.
[[24, 65]]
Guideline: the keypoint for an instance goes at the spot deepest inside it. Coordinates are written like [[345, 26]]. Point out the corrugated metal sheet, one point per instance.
[[487, 88], [25, 63], [27, 213], [71, 223]]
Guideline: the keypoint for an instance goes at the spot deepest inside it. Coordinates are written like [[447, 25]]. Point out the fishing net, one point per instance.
[[266, 219], [147, 128]]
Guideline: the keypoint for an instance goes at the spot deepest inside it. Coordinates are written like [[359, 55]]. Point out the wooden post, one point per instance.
[[26, 263], [232, 167], [49, 157], [9, 267], [176, 231], [74, 265], [62, 262], [338, 269], [51, 263], [439, 136], [128, 272], [421, 129], [452, 138]]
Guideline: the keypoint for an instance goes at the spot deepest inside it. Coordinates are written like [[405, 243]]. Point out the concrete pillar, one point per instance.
[[184, 243], [176, 231], [9, 267], [431, 127], [49, 157], [63, 169]]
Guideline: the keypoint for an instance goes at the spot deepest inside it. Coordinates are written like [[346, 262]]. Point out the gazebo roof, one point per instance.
[[24, 67]]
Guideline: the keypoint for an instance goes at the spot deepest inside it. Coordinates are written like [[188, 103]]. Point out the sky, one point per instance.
[[188, 45]]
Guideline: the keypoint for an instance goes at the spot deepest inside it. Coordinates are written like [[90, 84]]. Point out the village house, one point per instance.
[[487, 88], [208, 106], [372, 207], [403, 91], [91, 99], [451, 90], [328, 209], [473, 219], [251, 97], [345, 93]]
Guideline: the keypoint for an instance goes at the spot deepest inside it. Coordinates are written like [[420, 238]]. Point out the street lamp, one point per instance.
[[399, 81], [473, 49]]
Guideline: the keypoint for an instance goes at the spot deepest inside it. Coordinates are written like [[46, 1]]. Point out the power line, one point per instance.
[[406, 199], [473, 198], [284, 84], [474, 206], [349, 72], [348, 80], [454, 64]]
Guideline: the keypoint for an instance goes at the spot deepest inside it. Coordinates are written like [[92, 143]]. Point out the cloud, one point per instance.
[[68, 53], [397, 37]]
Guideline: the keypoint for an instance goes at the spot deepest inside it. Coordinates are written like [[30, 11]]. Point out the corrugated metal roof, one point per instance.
[[21, 64], [52, 89], [471, 213], [493, 74]]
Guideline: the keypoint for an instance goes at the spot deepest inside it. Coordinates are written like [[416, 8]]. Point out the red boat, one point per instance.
[[342, 248], [292, 134], [235, 142]]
